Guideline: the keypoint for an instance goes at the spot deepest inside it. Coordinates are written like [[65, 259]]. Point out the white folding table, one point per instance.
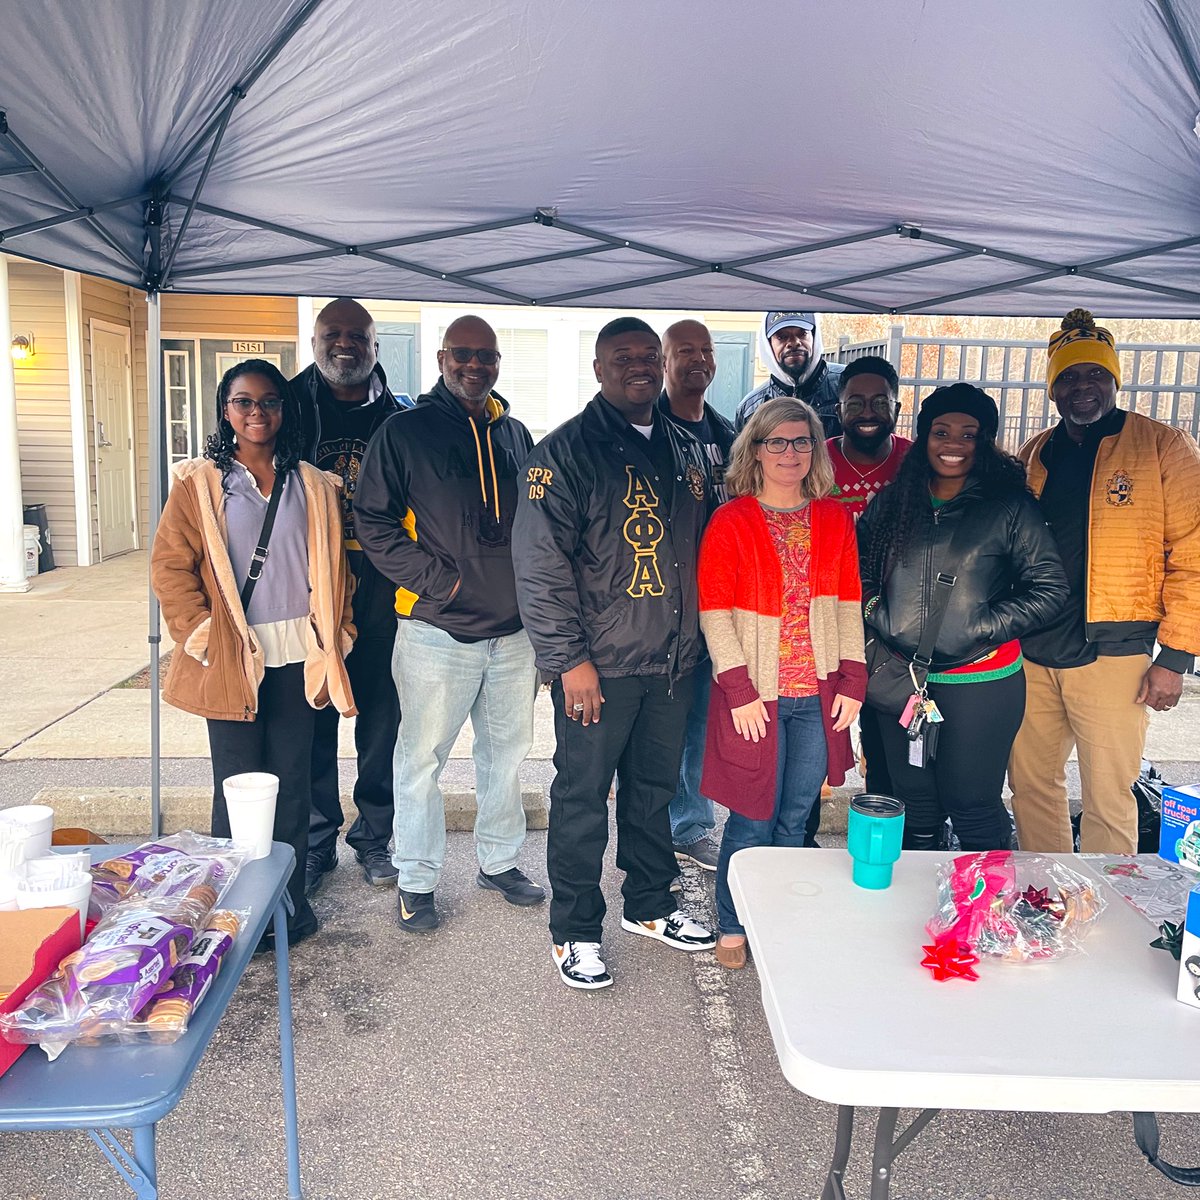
[[856, 1019]]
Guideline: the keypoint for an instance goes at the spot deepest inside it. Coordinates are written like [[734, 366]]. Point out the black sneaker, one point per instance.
[[704, 852], [317, 864], [415, 911], [309, 926], [514, 885], [376, 865]]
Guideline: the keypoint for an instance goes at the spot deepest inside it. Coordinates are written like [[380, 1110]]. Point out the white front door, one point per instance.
[[113, 415]]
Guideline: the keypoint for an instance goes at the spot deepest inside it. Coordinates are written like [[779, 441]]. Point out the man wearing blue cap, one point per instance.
[[790, 344]]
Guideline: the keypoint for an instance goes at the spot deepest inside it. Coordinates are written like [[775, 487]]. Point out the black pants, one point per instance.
[[879, 779], [639, 739], [967, 778], [370, 668], [278, 740]]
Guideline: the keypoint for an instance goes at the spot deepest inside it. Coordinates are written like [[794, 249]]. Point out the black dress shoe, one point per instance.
[[376, 865], [266, 943], [317, 864], [514, 885]]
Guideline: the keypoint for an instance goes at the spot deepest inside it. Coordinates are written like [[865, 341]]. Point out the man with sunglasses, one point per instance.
[[609, 517], [434, 507], [343, 398]]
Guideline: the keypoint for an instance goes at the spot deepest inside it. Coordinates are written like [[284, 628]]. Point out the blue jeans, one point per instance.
[[692, 815], [440, 682], [799, 775]]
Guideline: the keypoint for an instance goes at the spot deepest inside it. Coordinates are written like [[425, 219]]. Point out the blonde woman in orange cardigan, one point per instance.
[[780, 610]]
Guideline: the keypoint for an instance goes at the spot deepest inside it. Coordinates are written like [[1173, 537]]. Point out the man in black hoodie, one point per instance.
[[790, 344], [434, 512], [343, 398]]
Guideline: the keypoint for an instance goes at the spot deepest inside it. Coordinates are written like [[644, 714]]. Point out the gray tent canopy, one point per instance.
[[898, 156], [890, 156]]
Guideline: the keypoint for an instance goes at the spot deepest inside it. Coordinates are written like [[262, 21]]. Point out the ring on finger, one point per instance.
[[577, 708]]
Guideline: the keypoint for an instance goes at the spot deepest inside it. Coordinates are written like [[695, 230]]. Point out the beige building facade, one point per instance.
[[81, 395]]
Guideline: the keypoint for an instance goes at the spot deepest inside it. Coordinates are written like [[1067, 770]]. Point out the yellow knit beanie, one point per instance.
[[1081, 340]]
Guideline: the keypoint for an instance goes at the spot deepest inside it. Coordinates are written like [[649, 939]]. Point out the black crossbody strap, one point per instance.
[[1145, 1133], [259, 557], [944, 582]]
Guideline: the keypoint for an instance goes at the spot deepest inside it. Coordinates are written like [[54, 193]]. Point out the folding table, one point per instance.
[[856, 1020], [107, 1087]]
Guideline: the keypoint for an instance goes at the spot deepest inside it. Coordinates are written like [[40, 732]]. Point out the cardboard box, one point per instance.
[[1179, 838], [1188, 990], [32, 944]]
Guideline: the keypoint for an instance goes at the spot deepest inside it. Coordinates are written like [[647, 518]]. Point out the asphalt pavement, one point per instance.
[[455, 1064]]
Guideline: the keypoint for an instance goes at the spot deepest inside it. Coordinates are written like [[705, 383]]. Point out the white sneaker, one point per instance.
[[580, 965], [678, 930]]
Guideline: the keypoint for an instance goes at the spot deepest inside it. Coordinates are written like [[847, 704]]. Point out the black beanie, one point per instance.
[[958, 398]]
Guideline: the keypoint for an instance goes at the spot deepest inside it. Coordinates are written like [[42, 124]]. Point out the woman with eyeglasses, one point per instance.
[[257, 671], [1007, 581], [780, 611]]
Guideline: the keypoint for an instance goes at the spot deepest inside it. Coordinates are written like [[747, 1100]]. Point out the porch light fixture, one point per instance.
[[22, 347]]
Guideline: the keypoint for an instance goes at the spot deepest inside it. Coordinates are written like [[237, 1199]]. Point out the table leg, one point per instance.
[[138, 1169], [881, 1158], [834, 1189], [286, 1051], [143, 1151]]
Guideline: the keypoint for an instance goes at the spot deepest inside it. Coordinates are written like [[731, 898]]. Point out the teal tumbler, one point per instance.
[[874, 833]]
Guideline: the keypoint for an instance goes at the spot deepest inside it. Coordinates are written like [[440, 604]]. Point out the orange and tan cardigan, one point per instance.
[[741, 612]]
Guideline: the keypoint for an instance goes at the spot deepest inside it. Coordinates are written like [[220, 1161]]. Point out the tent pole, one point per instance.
[[157, 463], [12, 539]]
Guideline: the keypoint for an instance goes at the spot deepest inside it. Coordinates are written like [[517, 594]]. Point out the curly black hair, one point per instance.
[[904, 504], [222, 445]]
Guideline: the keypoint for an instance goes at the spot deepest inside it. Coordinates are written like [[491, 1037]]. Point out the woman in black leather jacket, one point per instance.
[[1009, 582]]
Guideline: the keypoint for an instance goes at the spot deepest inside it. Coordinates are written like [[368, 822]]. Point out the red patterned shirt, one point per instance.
[[854, 487], [792, 534]]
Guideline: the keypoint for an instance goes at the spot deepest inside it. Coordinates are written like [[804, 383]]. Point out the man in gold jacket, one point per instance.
[[1122, 494]]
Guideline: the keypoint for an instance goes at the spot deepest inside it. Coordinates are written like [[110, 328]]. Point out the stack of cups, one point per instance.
[[58, 880], [250, 802], [24, 834], [31, 825]]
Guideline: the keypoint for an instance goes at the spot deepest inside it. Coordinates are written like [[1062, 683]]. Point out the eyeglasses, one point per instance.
[[879, 404], [463, 355], [268, 404], [801, 445]]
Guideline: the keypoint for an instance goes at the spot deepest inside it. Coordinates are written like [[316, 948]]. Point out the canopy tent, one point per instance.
[[884, 157], [890, 156]]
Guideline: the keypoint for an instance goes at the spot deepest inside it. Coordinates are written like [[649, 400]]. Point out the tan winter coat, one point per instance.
[[193, 578]]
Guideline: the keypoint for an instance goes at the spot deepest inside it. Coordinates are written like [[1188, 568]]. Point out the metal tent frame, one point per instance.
[[165, 211]]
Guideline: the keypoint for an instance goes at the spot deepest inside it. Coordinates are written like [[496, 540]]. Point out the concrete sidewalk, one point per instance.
[[76, 634]]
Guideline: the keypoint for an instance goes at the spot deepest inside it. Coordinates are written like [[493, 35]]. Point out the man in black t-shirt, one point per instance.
[[344, 398], [689, 365]]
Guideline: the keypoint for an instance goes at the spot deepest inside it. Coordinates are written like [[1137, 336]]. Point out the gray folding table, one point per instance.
[[107, 1087]]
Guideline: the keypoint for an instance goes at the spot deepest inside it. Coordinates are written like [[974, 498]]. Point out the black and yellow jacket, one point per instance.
[[605, 546], [434, 508]]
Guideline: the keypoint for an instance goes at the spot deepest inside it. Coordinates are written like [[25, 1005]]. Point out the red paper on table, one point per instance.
[[32, 944]]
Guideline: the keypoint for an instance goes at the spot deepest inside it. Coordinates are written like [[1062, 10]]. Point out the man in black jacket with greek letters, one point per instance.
[[610, 508]]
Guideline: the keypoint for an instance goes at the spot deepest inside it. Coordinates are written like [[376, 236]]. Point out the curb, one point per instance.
[[126, 811]]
